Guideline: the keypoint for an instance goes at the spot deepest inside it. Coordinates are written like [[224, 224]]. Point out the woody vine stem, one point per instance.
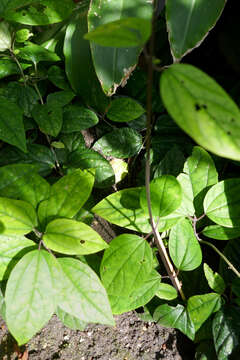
[[157, 237]]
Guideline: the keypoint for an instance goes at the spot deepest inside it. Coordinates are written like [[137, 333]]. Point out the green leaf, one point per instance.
[[121, 33], [166, 292], [23, 95], [215, 281], [120, 143], [79, 65], [114, 65], [226, 330], [186, 208], [202, 109], [40, 12], [166, 196], [20, 181], [11, 124], [72, 237], [87, 303], [67, 196], [125, 266], [184, 248], [219, 232], [5, 36], [202, 173], [188, 31], [58, 77], [60, 98], [22, 35], [49, 118], [73, 141], [2, 306], [12, 248], [70, 321], [123, 209], [171, 164], [175, 317], [91, 159], [124, 109], [136, 297], [9, 67], [31, 294], [37, 53], [77, 118], [17, 216], [200, 307], [221, 203]]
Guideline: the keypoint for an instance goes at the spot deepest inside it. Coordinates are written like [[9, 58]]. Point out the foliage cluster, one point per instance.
[[71, 68]]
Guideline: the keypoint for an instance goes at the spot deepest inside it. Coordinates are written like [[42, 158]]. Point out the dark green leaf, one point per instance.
[[206, 351], [171, 164], [73, 141], [226, 331], [58, 77], [219, 232], [232, 252], [8, 67], [49, 118], [60, 98], [37, 53], [120, 143], [88, 159], [11, 124], [202, 109], [77, 118], [175, 317], [184, 248], [124, 109]]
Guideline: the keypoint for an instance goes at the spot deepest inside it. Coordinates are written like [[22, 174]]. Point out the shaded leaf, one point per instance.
[[37, 53], [77, 118], [124, 109], [49, 118], [9, 67], [219, 232], [60, 98]]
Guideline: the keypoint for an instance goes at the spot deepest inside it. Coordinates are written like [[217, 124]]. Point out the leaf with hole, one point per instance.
[[200, 307], [166, 196], [221, 203], [31, 294], [184, 248], [175, 317], [87, 303], [72, 237], [202, 109]]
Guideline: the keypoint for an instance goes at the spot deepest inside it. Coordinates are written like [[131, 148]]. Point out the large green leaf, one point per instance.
[[31, 294], [83, 295], [185, 26], [202, 173], [20, 181], [200, 307], [226, 331], [175, 317], [123, 209], [129, 32], [49, 118], [120, 143], [12, 248], [215, 281], [67, 196], [166, 196], [11, 124], [183, 246], [124, 109], [221, 203], [78, 64], [219, 232], [18, 217], [114, 65], [9, 67], [125, 267], [77, 118], [72, 237], [70, 321], [88, 158], [136, 297], [202, 109], [40, 12]]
